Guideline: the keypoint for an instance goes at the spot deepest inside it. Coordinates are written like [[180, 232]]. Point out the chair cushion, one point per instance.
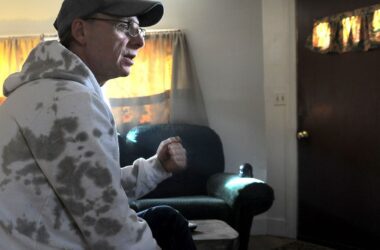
[[204, 156], [192, 207]]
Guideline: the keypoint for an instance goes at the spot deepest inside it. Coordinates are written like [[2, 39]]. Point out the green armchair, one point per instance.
[[203, 190]]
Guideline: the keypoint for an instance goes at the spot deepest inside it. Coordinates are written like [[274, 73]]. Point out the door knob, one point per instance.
[[302, 135]]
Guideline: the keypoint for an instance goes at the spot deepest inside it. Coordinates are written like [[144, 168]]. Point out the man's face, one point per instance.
[[110, 50]]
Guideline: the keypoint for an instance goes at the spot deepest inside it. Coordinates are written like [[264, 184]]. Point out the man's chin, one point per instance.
[[122, 74], [125, 72]]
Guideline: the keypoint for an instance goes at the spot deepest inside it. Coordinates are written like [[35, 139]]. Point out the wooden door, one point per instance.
[[339, 164]]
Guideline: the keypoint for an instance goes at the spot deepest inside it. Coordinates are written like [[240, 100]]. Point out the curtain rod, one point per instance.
[[162, 30], [55, 34], [28, 35]]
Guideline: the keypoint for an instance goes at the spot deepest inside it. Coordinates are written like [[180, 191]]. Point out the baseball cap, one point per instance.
[[148, 12]]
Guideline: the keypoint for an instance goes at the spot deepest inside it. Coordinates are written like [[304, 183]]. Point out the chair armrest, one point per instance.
[[246, 196], [234, 189]]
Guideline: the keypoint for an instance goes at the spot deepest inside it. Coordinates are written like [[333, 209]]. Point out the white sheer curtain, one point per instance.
[[187, 104]]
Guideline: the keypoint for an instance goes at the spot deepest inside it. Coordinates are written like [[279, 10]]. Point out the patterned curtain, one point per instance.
[[13, 53]]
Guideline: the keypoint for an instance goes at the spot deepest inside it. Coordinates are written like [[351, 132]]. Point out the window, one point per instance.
[[143, 97]]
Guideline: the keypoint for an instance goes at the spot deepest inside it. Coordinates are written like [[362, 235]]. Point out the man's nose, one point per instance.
[[137, 42]]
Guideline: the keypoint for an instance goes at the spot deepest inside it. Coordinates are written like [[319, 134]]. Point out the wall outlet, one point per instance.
[[279, 99]]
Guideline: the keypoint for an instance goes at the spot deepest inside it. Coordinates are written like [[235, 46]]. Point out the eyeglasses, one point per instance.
[[129, 28]]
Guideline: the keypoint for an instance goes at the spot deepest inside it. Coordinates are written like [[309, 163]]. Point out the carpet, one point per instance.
[[270, 242], [300, 245]]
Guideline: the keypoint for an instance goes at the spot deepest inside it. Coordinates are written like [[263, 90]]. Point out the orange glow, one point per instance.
[[13, 53], [376, 26], [376, 21], [351, 25], [322, 36], [140, 82]]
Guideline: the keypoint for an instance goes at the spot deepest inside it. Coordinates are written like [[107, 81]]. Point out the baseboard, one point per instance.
[[277, 226], [263, 225], [259, 225]]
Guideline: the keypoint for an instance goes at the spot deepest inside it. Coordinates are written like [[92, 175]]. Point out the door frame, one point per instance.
[[291, 153], [281, 122]]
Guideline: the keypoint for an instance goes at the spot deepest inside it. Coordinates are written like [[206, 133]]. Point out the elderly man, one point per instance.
[[61, 186]]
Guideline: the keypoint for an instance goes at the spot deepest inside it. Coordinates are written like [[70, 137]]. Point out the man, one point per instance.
[[60, 183]]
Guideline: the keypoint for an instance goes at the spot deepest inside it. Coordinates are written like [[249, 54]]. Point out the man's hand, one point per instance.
[[172, 155]]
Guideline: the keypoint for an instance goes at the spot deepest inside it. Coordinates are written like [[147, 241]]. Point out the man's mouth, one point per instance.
[[128, 60]]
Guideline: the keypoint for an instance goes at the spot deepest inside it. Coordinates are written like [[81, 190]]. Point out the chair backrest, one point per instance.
[[204, 154]]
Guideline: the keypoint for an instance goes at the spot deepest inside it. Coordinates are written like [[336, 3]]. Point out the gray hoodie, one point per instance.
[[61, 186]]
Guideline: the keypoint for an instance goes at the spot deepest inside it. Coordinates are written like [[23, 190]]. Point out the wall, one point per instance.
[[241, 63], [24, 17]]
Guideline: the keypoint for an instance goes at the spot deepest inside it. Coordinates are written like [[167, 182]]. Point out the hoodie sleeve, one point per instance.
[[142, 176], [74, 142]]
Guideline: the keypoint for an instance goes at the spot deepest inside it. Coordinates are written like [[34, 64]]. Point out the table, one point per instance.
[[214, 235]]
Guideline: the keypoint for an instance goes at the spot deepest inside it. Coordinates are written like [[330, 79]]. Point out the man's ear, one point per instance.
[[78, 31]]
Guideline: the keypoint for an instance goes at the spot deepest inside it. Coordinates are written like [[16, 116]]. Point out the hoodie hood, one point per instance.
[[51, 60]]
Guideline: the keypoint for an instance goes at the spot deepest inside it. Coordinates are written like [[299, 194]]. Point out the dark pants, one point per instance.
[[169, 228]]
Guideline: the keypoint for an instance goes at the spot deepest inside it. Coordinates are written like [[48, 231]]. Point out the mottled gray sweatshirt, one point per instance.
[[61, 186]]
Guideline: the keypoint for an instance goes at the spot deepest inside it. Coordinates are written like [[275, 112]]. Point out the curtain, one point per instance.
[[13, 53], [162, 86]]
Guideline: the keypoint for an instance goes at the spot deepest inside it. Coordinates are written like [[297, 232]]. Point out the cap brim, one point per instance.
[[148, 12]]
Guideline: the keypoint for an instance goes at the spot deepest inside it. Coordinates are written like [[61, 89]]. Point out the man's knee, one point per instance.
[[167, 215], [166, 212]]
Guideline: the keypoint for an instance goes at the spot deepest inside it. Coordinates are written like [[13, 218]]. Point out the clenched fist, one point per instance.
[[172, 154]]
